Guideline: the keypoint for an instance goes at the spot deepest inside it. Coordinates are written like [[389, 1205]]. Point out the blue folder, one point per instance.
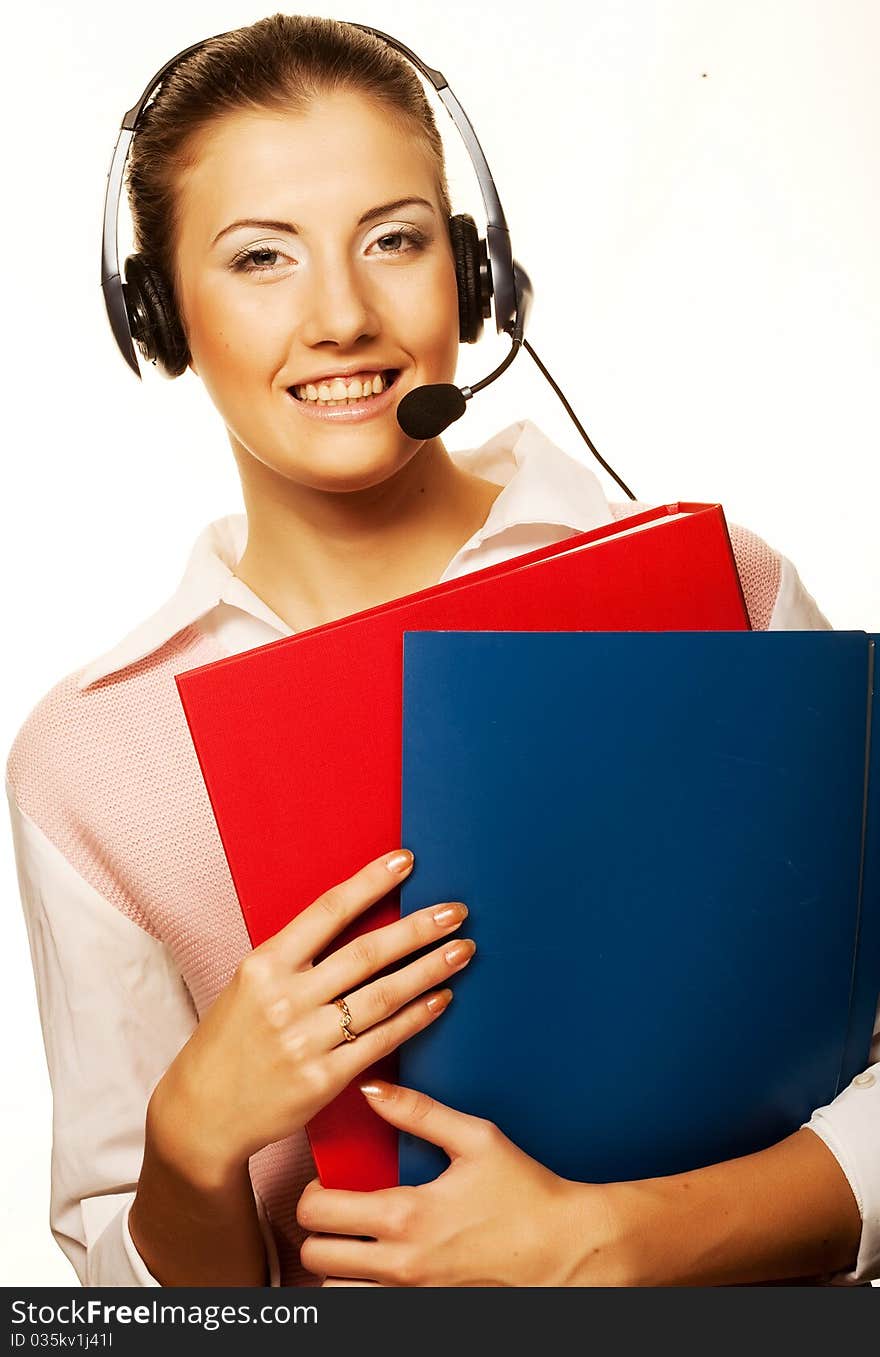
[[670, 848]]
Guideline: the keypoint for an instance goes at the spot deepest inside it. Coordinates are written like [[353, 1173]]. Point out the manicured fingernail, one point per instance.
[[460, 951], [449, 914], [398, 862], [439, 1001], [377, 1090]]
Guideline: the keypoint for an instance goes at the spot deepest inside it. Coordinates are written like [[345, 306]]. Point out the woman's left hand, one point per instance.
[[495, 1217]]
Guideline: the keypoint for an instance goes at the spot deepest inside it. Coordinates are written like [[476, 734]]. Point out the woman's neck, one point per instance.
[[314, 556]]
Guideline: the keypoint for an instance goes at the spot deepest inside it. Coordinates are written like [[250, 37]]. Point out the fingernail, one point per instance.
[[461, 950], [377, 1090], [439, 1000], [449, 914], [398, 862]]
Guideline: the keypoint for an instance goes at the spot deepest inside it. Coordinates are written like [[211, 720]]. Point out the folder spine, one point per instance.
[[866, 948]]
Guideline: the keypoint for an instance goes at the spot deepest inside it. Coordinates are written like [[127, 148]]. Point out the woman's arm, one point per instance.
[[199, 1099], [784, 1213], [496, 1217], [114, 1013], [193, 1228]]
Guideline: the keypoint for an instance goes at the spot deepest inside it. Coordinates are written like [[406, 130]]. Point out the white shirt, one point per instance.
[[108, 1044]]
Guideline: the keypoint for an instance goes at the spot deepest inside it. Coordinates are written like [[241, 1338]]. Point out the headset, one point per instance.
[[142, 311]]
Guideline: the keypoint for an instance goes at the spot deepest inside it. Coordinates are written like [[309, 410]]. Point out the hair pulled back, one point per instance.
[[278, 64]]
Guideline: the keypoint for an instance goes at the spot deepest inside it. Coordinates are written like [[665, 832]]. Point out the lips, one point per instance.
[[348, 412]]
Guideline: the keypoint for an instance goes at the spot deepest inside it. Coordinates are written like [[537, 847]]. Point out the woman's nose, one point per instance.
[[336, 306]]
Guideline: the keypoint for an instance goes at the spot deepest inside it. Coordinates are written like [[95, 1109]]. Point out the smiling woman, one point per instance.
[[356, 279], [287, 276], [294, 233]]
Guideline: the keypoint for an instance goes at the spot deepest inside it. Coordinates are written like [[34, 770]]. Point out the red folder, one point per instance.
[[299, 740]]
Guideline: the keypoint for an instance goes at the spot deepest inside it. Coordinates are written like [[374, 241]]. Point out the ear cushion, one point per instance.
[[466, 249], [152, 316]]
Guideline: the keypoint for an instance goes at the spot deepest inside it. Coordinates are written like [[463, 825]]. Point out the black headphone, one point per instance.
[[142, 310]]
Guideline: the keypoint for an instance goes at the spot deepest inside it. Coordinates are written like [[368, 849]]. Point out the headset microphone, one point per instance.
[[426, 411]]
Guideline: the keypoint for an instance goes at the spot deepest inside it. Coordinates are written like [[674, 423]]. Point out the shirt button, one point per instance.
[[864, 1080]]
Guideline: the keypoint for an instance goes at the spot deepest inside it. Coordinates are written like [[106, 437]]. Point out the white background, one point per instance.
[[692, 185]]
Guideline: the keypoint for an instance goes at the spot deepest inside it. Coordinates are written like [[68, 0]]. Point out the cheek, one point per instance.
[[429, 314], [235, 327]]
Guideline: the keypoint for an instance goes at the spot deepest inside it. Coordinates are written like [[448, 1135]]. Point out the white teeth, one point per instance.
[[337, 391]]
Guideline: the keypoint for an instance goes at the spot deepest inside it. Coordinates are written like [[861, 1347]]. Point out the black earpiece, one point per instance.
[[153, 317], [473, 275]]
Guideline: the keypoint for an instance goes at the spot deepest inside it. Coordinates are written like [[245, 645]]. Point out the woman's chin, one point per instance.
[[346, 470]]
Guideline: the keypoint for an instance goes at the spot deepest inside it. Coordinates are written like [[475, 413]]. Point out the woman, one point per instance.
[[288, 183]]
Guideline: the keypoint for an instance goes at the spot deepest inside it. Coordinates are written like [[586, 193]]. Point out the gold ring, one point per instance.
[[345, 1020]]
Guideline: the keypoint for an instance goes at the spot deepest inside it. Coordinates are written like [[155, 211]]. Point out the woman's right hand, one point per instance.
[[270, 1051]]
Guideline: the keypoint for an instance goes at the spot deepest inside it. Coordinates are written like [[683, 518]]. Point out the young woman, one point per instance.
[[288, 184]]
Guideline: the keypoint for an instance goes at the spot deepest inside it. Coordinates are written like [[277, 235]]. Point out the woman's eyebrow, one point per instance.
[[292, 229]]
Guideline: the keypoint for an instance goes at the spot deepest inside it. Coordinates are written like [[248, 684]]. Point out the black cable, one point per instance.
[[599, 458]]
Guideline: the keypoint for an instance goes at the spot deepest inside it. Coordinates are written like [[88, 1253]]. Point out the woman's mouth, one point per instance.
[[348, 400]]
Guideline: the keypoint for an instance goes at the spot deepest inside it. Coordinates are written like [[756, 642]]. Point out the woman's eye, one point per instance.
[[400, 242], [259, 259]]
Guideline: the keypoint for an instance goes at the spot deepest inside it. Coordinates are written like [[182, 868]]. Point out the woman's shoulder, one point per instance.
[[102, 779], [98, 720], [121, 694], [776, 598]]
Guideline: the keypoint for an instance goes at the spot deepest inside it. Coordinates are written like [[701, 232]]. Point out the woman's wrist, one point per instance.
[[596, 1236], [180, 1136], [194, 1220]]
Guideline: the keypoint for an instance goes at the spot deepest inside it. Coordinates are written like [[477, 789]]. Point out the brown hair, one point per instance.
[[281, 63]]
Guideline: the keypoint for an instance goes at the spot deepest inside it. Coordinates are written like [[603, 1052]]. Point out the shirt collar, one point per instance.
[[541, 484]]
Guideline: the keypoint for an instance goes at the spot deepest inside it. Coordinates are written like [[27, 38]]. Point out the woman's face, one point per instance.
[[342, 273]]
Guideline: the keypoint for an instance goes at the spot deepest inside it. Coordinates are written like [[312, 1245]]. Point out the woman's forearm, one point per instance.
[[193, 1222], [785, 1213]]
